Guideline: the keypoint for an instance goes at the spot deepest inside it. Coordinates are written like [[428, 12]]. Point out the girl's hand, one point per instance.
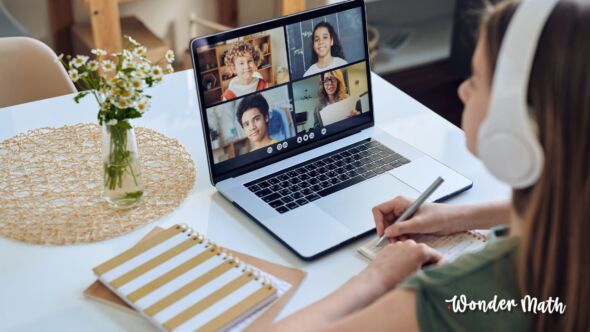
[[433, 218], [397, 261]]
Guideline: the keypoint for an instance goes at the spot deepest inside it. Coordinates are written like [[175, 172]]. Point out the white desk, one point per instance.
[[41, 287]]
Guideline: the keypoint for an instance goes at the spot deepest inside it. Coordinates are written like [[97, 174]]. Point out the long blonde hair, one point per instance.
[[340, 91], [555, 212]]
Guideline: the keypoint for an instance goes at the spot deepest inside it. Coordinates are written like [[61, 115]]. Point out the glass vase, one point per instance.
[[123, 187]]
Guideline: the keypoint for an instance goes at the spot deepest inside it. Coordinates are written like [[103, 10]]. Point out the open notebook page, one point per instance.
[[450, 246]]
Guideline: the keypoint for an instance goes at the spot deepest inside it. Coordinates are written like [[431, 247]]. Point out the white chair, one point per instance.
[[29, 71]]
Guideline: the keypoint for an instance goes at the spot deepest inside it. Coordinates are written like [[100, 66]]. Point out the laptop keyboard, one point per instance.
[[298, 185]]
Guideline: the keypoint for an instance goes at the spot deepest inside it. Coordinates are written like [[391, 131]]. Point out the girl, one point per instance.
[[545, 255], [327, 52], [332, 89]]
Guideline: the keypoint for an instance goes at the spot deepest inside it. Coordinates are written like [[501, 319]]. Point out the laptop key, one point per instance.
[[340, 186], [263, 192], [273, 181], [285, 192], [263, 184], [302, 201], [271, 197], [282, 209], [369, 174], [254, 188], [287, 199], [312, 197], [292, 205], [297, 195], [275, 204]]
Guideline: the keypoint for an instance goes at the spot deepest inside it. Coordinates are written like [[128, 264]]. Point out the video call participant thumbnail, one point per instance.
[[327, 52], [243, 60], [252, 114], [332, 90]]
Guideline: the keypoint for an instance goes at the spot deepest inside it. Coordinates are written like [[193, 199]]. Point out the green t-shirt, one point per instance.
[[479, 276]]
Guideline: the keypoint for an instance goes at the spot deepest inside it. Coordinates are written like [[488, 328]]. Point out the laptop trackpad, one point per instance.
[[352, 206]]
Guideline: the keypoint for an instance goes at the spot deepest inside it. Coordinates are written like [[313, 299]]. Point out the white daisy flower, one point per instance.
[[140, 51], [108, 65], [74, 75], [93, 65], [98, 52], [138, 74], [169, 56], [157, 72], [112, 122], [127, 64], [143, 105], [126, 94], [137, 83], [144, 68], [121, 103], [79, 61]]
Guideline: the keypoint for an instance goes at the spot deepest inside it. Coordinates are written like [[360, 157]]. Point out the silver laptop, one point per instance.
[[309, 181]]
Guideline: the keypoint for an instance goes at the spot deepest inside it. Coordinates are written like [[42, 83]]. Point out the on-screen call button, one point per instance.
[[279, 147], [305, 137], [311, 135], [269, 150], [285, 145], [299, 139], [324, 131]]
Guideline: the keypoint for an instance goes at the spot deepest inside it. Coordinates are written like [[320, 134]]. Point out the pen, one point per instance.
[[409, 212]]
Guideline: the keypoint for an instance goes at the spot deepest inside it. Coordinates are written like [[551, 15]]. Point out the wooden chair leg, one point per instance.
[[106, 25]]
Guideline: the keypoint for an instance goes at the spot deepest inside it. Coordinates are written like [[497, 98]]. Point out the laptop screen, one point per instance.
[[274, 89]]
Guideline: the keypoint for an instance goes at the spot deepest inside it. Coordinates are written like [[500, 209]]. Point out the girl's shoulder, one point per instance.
[[337, 62]]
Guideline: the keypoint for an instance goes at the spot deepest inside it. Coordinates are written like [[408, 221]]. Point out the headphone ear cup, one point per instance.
[[510, 156]]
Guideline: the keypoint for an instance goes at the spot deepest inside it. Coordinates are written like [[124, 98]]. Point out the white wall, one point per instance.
[[32, 14]]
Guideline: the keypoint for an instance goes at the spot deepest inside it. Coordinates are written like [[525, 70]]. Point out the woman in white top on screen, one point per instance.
[[327, 52]]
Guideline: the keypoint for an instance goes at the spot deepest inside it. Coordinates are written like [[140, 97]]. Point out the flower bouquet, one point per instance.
[[118, 82]]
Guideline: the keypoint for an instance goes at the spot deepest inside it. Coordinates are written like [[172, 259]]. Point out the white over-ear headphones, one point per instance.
[[507, 142]]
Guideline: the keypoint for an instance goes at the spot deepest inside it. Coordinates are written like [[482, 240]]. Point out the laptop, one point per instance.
[[310, 184]]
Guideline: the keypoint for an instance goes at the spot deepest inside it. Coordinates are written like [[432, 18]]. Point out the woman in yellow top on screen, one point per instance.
[[326, 52], [243, 60], [253, 116], [332, 90]]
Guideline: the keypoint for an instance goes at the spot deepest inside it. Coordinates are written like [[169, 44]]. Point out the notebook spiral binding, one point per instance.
[[225, 255]]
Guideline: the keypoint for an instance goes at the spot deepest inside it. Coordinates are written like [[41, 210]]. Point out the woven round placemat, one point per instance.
[[51, 185]]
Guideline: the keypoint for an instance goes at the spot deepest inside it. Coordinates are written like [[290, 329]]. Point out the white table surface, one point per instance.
[[41, 286]]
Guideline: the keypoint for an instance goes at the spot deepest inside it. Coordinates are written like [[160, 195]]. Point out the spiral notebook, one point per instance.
[[181, 281], [450, 246]]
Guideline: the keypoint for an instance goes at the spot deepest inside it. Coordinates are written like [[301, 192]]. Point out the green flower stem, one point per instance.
[[119, 156]]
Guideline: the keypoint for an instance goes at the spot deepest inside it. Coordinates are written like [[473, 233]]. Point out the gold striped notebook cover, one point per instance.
[[181, 281]]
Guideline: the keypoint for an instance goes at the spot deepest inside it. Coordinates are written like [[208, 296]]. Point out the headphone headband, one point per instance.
[[508, 144]]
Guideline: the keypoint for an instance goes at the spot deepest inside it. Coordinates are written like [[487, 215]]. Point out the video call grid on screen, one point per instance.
[[262, 94]]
